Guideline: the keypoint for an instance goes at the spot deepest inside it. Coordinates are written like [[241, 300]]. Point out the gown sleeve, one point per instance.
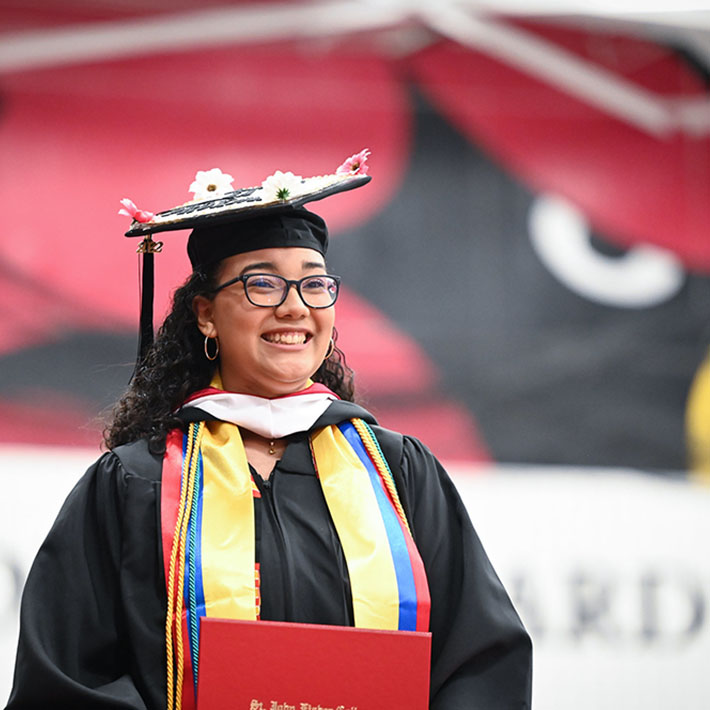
[[481, 653], [71, 651]]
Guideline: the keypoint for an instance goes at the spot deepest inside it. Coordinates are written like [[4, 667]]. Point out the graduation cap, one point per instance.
[[225, 221]]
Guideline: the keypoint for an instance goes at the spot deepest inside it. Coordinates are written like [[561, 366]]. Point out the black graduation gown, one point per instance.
[[92, 625]]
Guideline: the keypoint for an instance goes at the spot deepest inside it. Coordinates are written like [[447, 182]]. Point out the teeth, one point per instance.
[[286, 338]]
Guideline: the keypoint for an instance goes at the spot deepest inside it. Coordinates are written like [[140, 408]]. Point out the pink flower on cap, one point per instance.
[[130, 210], [355, 164]]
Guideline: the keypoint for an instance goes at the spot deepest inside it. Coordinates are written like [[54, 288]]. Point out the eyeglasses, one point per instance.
[[270, 290]]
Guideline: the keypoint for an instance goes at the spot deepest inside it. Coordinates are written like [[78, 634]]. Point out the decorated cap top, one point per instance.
[[215, 202]]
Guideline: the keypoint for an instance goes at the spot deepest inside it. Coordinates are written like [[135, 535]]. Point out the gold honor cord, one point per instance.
[[373, 448], [177, 557]]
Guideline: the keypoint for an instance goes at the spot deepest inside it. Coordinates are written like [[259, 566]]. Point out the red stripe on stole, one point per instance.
[[170, 493], [421, 584], [256, 493], [189, 689], [257, 585]]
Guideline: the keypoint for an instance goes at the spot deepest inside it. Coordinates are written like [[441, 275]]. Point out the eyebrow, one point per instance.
[[270, 265]]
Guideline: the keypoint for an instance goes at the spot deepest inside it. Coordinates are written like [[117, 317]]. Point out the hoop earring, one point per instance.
[[331, 349], [207, 352]]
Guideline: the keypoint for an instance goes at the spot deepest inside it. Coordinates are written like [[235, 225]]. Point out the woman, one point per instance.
[[237, 434]]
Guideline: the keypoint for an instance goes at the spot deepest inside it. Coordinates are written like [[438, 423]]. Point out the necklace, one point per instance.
[[273, 442]]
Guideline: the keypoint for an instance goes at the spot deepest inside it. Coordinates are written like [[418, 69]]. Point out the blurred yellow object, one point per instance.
[[697, 423]]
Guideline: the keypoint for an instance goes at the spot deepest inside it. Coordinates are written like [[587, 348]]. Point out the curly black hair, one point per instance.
[[175, 366]]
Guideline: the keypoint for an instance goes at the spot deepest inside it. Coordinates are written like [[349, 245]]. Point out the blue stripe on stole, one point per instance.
[[194, 591], [395, 534], [198, 549]]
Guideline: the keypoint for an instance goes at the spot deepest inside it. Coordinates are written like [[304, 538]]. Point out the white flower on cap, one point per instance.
[[210, 184], [281, 186]]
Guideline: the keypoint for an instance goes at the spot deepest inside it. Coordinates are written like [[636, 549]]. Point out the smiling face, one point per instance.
[[266, 351]]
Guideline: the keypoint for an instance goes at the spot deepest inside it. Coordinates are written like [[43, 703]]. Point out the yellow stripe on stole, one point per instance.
[[361, 530], [228, 542]]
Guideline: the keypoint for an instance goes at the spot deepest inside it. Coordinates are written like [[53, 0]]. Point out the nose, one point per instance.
[[293, 306]]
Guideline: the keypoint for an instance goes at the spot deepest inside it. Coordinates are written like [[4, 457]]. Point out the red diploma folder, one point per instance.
[[267, 665]]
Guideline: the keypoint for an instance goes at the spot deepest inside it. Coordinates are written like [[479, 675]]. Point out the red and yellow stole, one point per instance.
[[207, 511]]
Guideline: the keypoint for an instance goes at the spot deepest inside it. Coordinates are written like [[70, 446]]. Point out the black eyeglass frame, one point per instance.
[[289, 282]]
